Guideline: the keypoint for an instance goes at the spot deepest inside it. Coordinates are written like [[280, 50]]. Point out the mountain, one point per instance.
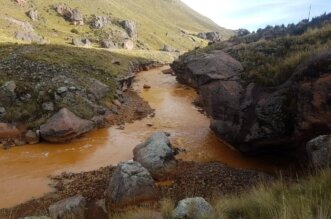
[[157, 22]]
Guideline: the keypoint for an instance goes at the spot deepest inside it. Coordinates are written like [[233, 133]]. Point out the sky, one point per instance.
[[254, 14]]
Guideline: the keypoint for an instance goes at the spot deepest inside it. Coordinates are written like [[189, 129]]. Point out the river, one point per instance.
[[24, 170]]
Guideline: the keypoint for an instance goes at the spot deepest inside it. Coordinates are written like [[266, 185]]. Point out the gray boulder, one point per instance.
[[33, 14], [109, 44], [72, 208], [77, 17], [81, 41], [156, 155], [193, 208], [48, 106], [167, 48], [130, 184], [100, 21], [210, 36], [98, 89], [29, 37], [128, 44], [64, 126], [31, 137], [130, 28], [319, 151], [2, 111]]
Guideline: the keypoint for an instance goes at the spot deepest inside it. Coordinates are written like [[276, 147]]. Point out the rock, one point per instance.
[[48, 106], [130, 28], [64, 126], [211, 36], [29, 37], [200, 69], [257, 119], [84, 42], [130, 184], [77, 17], [97, 210], [10, 86], [156, 155], [2, 111], [109, 44], [128, 44], [100, 21], [8, 131], [193, 208], [64, 11], [167, 48], [31, 137], [319, 151], [98, 89], [72, 208], [33, 14], [146, 86], [62, 90]]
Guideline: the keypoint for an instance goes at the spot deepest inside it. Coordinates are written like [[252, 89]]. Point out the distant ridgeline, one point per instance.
[[270, 32]]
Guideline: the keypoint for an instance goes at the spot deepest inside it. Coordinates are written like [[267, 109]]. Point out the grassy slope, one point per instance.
[[78, 64], [271, 62], [154, 19]]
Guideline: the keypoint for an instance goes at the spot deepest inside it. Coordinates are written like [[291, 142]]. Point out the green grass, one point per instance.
[[158, 21], [309, 198], [306, 199]]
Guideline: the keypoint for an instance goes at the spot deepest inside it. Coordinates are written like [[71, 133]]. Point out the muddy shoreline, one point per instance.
[[190, 179]]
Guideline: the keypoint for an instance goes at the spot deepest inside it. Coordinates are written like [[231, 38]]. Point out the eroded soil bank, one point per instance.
[[25, 170]]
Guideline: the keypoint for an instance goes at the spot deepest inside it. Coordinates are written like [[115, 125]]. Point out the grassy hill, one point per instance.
[[159, 22]]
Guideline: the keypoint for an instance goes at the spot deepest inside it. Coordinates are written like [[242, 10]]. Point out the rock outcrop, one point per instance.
[[64, 126], [81, 41], [156, 155], [257, 119], [100, 22], [193, 208], [130, 183], [319, 151], [33, 14], [130, 28], [210, 36], [73, 208]]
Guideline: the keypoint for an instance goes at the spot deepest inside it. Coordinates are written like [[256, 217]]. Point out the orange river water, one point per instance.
[[24, 170]]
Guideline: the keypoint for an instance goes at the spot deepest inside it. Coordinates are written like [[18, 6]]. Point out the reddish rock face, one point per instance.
[[256, 119], [64, 126]]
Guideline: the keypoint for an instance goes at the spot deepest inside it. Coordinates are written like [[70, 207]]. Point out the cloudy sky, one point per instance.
[[253, 14]]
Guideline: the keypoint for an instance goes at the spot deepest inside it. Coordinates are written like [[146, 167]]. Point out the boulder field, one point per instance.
[[260, 119]]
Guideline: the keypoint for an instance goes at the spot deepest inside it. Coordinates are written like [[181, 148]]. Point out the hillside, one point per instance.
[[158, 22]]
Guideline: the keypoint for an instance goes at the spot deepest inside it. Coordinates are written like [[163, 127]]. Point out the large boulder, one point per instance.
[[210, 36], [81, 41], [319, 151], [73, 208], [100, 22], [130, 28], [193, 208], [200, 69], [128, 44], [77, 17], [98, 89], [33, 14], [64, 126], [156, 155], [257, 119], [130, 184], [108, 44]]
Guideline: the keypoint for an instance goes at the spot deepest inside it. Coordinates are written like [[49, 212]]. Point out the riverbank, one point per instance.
[[189, 179]]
